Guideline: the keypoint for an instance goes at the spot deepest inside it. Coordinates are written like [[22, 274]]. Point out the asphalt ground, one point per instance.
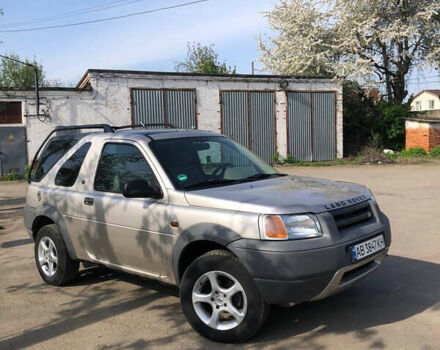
[[396, 307]]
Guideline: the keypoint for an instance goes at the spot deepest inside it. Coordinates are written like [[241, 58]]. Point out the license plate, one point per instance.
[[367, 248]]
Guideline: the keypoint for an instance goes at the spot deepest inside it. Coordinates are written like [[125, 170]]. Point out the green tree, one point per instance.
[[17, 75], [203, 59], [368, 122]]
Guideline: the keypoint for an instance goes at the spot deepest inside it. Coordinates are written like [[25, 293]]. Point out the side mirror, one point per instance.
[[141, 189]]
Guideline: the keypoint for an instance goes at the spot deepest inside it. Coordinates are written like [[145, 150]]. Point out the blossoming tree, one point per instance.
[[370, 41]]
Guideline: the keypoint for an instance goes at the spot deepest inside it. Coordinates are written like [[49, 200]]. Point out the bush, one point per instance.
[[289, 159], [371, 154], [367, 121], [26, 172], [413, 152], [435, 152], [11, 176]]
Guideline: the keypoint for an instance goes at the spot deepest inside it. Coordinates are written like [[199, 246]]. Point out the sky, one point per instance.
[[154, 41]]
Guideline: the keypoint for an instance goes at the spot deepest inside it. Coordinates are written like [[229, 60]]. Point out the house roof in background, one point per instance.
[[433, 92]]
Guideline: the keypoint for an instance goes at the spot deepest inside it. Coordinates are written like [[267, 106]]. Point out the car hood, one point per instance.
[[281, 195]]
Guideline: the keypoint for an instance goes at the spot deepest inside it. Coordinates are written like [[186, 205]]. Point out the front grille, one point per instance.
[[353, 215]]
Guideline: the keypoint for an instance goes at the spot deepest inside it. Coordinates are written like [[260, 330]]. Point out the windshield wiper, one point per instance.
[[262, 176], [212, 182]]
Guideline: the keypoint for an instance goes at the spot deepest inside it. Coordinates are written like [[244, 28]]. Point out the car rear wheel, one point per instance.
[[54, 264], [220, 299]]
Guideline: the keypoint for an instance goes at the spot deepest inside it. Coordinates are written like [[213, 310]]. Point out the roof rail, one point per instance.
[[105, 127], [144, 126]]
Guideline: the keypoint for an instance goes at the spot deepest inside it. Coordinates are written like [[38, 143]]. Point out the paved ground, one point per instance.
[[398, 307]]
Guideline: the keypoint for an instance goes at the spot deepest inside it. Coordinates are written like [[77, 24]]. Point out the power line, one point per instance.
[[67, 14], [96, 8], [102, 19]]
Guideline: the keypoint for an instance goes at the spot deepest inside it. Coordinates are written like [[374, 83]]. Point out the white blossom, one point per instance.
[[370, 41]]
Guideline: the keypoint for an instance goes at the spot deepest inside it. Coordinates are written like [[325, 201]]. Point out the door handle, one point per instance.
[[88, 201]]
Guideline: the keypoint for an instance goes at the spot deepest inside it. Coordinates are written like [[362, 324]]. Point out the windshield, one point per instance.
[[200, 162]]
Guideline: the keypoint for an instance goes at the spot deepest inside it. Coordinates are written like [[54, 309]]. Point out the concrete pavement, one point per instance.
[[397, 307]]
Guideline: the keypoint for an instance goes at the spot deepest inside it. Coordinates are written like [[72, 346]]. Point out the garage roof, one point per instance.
[[84, 80]]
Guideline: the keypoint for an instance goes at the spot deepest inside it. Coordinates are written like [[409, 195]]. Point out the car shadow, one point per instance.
[[399, 289]]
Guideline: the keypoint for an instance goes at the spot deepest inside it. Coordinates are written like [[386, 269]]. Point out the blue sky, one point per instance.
[[146, 42]]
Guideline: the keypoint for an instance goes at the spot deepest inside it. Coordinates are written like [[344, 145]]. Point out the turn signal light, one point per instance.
[[274, 228]]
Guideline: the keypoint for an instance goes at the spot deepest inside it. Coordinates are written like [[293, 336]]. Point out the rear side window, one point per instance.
[[119, 164], [52, 153], [68, 173]]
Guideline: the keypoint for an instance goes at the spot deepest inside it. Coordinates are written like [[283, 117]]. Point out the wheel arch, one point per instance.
[[197, 241], [49, 215]]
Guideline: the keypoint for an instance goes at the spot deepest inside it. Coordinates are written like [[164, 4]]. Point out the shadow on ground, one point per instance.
[[401, 288]]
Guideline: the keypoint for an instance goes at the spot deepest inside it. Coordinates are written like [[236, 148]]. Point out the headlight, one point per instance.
[[283, 227]]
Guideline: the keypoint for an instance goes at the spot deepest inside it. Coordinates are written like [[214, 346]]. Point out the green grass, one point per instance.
[[325, 163]]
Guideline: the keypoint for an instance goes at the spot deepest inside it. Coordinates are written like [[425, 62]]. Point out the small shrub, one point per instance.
[[414, 152], [10, 176], [276, 158], [435, 152], [373, 155], [26, 172], [289, 159]]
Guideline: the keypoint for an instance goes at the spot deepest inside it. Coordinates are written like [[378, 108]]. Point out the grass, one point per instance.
[[358, 161]]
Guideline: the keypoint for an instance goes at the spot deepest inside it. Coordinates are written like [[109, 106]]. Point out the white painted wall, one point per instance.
[[424, 99], [109, 102]]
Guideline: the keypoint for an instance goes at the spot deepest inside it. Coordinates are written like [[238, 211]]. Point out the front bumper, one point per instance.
[[286, 273]]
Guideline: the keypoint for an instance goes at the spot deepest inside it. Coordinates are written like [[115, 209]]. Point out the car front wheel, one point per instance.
[[220, 299]]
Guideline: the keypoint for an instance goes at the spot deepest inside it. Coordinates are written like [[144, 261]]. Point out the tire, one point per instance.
[[198, 298], [54, 264]]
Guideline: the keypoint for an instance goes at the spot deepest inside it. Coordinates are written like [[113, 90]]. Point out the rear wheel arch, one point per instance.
[[49, 215], [38, 223]]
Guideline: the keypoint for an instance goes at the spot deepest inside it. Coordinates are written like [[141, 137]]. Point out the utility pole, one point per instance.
[[252, 68], [37, 90]]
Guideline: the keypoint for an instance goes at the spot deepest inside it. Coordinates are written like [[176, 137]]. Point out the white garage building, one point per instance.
[[270, 115]]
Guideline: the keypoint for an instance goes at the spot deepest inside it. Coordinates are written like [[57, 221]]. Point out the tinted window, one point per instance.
[[119, 164], [68, 173], [52, 153], [207, 161]]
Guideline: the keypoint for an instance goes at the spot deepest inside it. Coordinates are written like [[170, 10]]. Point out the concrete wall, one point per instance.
[[108, 101], [424, 99]]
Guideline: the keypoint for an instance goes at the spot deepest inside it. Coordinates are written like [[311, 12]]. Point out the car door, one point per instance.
[[127, 233]]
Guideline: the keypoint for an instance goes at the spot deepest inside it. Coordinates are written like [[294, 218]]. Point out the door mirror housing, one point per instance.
[[141, 189]]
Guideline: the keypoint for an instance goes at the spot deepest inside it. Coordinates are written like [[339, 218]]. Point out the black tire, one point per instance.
[[257, 309], [66, 268]]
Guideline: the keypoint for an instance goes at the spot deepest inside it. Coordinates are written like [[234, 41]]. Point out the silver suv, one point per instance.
[[195, 209]]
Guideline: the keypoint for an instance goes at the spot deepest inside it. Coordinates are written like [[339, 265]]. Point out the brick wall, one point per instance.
[[417, 135], [434, 135]]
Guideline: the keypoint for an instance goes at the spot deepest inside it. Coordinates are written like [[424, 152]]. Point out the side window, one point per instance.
[[52, 153], [68, 173], [119, 164]]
